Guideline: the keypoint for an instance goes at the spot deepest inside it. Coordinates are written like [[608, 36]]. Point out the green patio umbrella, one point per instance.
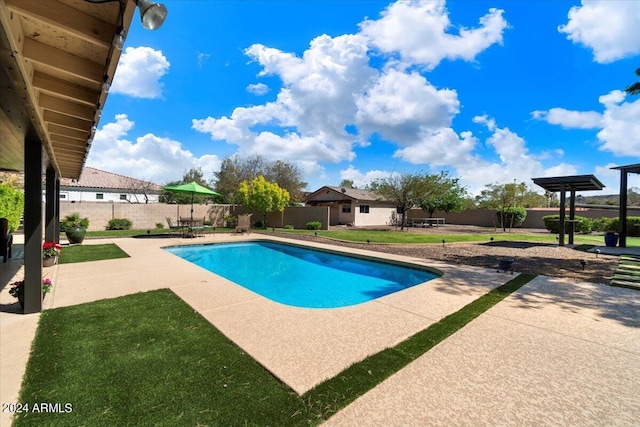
[[193, 188]]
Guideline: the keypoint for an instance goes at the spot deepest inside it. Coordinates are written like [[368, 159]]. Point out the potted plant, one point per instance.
[[50, 252], [611, 238], [74, 227], [17, 290]]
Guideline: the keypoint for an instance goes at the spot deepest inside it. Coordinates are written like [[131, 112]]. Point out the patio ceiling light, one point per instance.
[[152, 14]]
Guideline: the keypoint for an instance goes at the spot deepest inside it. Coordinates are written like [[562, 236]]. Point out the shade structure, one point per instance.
[[193, 188]]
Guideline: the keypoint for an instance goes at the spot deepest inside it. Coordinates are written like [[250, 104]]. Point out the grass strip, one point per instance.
[[150, 359], [337, 392], [84, 253]]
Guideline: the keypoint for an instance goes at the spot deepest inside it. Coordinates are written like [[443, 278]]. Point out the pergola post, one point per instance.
[[32, 225], [563, 199], [57, 212], [572, 214], [623, 209]]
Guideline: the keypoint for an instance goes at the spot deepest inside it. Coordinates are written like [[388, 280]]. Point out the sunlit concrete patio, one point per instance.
[[550, 348]]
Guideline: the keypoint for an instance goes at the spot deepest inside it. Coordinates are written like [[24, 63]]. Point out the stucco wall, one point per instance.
[[378, 215]]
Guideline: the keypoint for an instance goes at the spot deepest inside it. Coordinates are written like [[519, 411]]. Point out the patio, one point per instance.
[[576, 328]]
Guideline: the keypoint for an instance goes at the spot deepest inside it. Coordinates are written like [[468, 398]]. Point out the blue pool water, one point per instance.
[[302, 277]]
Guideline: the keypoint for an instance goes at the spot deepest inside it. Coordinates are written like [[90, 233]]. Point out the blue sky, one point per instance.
[[490, 91]]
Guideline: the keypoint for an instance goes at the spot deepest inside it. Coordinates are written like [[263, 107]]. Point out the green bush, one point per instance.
[[314, 225], [517, 214], [11, 205], [259, 224], [552, 223], [288, 227], [72, 221], [119, 224], [613, 224], [159, 225]]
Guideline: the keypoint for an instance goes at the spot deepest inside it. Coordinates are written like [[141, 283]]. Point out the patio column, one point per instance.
[[50, 205], [563, 201], [57, 212], [32, 225], [623, 209]]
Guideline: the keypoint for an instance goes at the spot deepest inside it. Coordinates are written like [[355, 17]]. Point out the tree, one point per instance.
[[508, 200], [444, 194], [263, 196], [634, 88], [236, 169], [346, 183], [405, 190], [193, 174]]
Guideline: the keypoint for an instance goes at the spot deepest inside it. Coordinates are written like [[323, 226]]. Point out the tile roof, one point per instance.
[[96, 178]]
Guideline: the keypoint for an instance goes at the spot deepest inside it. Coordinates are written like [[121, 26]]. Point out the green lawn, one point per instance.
[[149, 359], [83, 253], [376, 236]]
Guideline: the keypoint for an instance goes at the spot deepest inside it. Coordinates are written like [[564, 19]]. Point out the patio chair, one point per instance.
[[244, 223], [6, 239], [172, 227], [197, 227]]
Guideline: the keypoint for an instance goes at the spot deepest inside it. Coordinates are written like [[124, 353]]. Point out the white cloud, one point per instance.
[[258, 89], [150, 157], [569, 118], [360, 179], [401, 105], [515, 161], [440, 148], [202, 58], [610, 28], [139, 72], [428, 41], [619, 123]]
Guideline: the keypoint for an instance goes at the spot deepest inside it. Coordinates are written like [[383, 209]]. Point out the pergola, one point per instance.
[[624, 171], [562, 184], [57, 58]]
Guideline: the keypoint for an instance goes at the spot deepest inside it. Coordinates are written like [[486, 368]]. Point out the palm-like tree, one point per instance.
[[634, 89]]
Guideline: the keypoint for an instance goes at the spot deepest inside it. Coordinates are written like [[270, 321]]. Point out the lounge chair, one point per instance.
[[244, 223], [6, 239]]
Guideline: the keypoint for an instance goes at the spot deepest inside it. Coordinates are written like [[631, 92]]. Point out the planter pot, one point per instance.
[[21, 300], [611, 239], [505, 265], [49, 261], [75, 235]]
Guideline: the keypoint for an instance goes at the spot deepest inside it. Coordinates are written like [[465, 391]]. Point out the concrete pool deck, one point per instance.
[[556, 351]]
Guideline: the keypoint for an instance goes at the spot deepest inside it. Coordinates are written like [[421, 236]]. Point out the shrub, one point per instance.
[[159, 225], [552, 223], [11, 205], [288, 227], [314, 225], [119, 224], [633, 226], [512, 216], [613, 224], [259, 224], [72, 221]]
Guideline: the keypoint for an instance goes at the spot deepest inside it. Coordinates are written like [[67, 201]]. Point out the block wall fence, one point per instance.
[[148, 215]]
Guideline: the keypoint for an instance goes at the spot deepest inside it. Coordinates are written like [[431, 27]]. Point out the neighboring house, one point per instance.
[[95, 185], [351, 206]]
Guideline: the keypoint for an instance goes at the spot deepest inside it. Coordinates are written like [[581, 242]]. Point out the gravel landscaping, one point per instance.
[[535, 258]]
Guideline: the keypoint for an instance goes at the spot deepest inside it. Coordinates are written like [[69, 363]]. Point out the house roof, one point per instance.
[[343, 193], [96, 178]]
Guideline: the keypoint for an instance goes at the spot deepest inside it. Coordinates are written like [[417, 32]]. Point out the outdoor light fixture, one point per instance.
[[597, 252], [118, 39], [152, 14], [584, 263]]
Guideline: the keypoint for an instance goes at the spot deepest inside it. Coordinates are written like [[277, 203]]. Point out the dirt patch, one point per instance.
[[535, 258]]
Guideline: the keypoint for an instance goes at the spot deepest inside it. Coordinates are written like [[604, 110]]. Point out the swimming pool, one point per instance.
[[302, 277]]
